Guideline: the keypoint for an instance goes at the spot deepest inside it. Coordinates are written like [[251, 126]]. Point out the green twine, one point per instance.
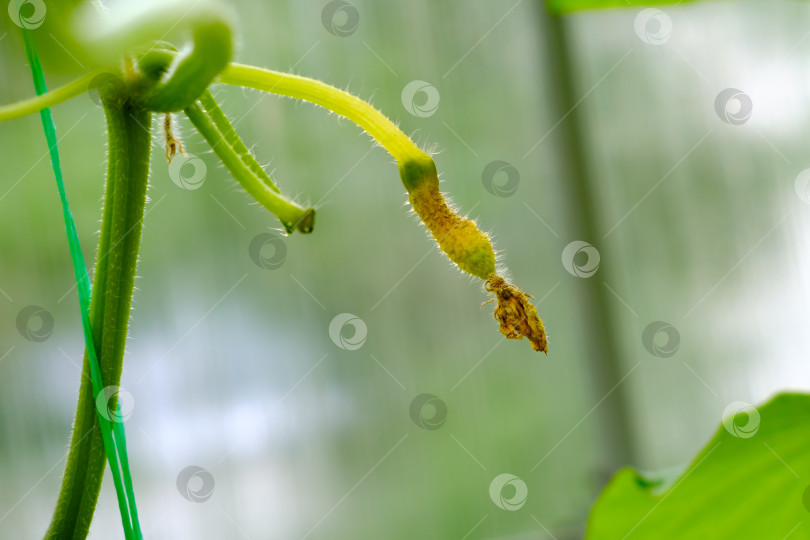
[[112, 432]]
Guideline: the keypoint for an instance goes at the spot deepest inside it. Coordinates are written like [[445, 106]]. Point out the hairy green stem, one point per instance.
[[416, 168], [229, 134], [126, 497], [330, 98], [48, 99], [292, 216], [113, 285]]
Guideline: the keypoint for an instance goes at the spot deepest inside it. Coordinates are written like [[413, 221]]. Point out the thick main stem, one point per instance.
[[129, 137]]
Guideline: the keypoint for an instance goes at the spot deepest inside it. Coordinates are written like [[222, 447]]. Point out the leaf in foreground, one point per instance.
[[560, 7], [750, 481]]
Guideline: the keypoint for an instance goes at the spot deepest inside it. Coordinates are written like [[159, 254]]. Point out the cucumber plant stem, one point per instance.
[[229, 135], [330, 98], [292, 215], [113, 285], [49, 99]]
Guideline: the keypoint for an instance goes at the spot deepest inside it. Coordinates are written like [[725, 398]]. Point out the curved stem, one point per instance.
[[194, 73], [463, 242], [291, 215], [229, 134], [48, 99], [333, 99], [113, 285]]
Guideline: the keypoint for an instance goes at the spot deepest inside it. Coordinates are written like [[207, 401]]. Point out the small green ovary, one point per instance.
[[476, 257], [458, 237]]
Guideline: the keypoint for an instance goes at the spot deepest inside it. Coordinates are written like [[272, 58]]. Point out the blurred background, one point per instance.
[[640, 172]]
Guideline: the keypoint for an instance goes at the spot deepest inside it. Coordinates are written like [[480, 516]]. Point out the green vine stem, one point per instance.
[[116, 453], [113, 284], [218, 131], [330, 98], [291, 215], [229, 134], [48, 99], [194, 73]]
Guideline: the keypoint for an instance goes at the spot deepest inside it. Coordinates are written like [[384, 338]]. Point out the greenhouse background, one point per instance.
[[686, 293]]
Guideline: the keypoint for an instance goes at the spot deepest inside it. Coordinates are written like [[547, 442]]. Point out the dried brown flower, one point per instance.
[[516, 316]]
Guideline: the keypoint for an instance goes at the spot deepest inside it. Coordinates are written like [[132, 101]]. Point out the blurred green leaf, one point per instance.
[[750, 481], [558, 7]]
